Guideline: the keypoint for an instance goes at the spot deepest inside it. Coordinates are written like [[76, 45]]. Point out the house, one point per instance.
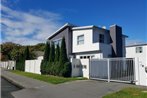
[[91, 41], [139, 52]]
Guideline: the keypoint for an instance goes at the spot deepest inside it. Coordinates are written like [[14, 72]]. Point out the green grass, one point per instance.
[[131, 92], [47, 78]]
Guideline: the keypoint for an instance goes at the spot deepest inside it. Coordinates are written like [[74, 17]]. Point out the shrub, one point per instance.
[[63, 53], [44, 63], [66, 72]]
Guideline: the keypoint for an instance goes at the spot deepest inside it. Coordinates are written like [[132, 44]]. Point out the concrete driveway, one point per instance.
[[76, 89]]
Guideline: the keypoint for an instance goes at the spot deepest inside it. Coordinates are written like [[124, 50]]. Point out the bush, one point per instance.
[[43, 67], [66, 72], [44, 63]]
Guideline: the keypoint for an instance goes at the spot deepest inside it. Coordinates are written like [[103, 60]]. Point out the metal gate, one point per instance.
[[114, 69]]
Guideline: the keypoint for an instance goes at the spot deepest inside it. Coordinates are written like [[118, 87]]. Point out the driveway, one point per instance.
[[76, 89]]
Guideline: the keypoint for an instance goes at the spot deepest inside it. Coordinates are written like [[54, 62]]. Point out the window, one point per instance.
[[101, 38], [80, 39], [57, 42], [138, 49]]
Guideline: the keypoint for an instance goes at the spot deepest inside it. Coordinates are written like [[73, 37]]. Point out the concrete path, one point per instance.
[[76, 89]]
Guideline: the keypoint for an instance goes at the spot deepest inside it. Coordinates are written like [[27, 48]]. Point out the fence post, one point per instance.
[[108, 69]]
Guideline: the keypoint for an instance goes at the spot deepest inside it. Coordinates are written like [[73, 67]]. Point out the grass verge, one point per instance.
[[131, 92], [47, 78]]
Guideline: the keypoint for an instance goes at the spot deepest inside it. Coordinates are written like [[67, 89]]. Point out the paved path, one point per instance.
[[76, 89], [7, 88]]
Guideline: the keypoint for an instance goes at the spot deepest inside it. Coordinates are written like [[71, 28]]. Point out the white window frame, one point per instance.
[[80, 41]]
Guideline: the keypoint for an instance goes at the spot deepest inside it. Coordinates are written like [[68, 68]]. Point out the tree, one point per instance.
[[63, 53], [27, 54], [52, 53], [57, 54], [20, 63], [45, 60], [46, 52], [6, 49]]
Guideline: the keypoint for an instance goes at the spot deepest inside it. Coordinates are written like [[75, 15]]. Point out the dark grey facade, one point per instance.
[[116, 41], [67, 33]]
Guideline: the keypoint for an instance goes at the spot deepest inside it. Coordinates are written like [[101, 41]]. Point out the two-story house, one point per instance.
[[91, 41]]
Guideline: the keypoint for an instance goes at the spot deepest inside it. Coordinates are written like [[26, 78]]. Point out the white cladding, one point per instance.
[[91, 43], [142, 62]]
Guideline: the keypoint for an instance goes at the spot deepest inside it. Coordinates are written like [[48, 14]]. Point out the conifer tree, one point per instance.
[[63, 53], [27, 53], [52, 53], [57, 54]]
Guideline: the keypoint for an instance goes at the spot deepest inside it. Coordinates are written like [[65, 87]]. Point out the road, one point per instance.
[[7, 88]]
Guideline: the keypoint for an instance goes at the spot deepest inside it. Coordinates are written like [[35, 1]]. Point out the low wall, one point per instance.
[[33, 66], [8, 65], [80, 67]]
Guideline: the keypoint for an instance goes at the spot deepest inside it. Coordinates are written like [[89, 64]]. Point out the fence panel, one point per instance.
[[8, 65], [116, 69], [98, 69], [33, 66]]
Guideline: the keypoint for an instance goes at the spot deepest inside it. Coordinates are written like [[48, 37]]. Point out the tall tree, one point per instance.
[[46, 52], [57, 54], [63, 53], [52, 53], [27, 53], [45, 60]]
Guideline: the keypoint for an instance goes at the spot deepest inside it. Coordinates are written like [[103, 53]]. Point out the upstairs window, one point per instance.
[[138, 49], [57, 42], [80, 40], [101, 38]]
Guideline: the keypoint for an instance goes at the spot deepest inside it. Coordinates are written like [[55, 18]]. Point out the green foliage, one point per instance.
[[63, 53], [66, 70], [58, 62], [6, 49], [44, 63], [20, 63], [11, 51], [57, 55], [52, 53], [46, 52], [27, 54]]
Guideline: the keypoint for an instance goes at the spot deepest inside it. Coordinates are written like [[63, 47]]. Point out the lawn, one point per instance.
[[132, 92], [47, 78]]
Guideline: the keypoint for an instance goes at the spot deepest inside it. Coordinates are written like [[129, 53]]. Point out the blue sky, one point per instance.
[[32, 21]]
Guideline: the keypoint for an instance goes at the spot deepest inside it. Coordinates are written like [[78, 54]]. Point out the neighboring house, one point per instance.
[[38, 54], [137, 51], [91, 41]]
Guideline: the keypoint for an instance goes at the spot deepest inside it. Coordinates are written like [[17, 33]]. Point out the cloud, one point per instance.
[[28, 27]]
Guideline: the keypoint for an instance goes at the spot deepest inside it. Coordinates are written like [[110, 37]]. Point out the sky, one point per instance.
[[29, 22]]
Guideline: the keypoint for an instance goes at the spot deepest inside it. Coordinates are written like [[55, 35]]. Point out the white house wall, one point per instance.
[[88, 44], [131, 53], [91, 43], [140, 64]]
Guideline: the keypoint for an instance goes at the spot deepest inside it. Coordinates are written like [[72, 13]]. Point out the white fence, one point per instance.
[[33, 66], [80, 67], [8, 65]]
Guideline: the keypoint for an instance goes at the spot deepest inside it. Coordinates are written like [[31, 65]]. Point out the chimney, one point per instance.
[[116, 38]]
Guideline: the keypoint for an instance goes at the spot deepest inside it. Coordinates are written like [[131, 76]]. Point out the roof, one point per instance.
[[38, 53], [78, 28], [83, 27], [133, 45], [60, 29]]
